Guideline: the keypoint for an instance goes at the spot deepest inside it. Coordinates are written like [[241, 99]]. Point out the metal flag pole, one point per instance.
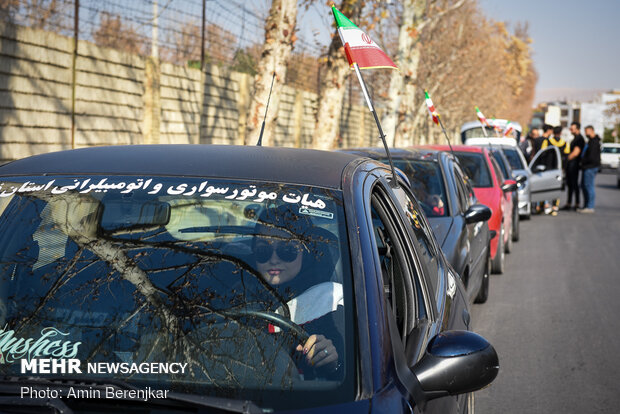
[[445, 134], [374, 114]]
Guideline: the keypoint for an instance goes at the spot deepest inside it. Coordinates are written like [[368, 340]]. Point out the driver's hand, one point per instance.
[[319, 351]]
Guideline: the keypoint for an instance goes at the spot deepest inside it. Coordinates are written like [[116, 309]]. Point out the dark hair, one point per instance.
[[557, 131], [589, 127], [577, 124], [547, 127]]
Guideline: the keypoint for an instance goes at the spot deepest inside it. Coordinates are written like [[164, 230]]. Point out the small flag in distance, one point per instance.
[[431, 108]]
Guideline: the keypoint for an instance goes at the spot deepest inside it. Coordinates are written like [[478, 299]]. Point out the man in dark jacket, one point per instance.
[[572, 166], [590, 164]]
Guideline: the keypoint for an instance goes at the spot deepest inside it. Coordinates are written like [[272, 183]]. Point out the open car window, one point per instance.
[[222, 276]]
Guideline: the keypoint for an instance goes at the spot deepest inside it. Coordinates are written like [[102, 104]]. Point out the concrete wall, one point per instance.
[[53, 99]]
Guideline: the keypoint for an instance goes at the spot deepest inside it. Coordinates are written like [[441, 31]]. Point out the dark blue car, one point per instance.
[[457, 219], [182, 278]]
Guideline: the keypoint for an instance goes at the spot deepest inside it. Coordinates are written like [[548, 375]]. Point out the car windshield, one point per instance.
[[514, 159], [476, 168], [427, 185], [477, 132], [226, 277], [610, 150]]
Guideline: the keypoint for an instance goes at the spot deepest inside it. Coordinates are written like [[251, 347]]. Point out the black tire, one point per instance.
[[515, 227], [498, 263], [483, 293], [508, 245]]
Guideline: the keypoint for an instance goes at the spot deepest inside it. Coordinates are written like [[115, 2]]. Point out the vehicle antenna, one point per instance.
[[262, 128], [374, 114]]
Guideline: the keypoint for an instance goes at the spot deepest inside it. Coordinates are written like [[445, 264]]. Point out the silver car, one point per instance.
[[543, 175]]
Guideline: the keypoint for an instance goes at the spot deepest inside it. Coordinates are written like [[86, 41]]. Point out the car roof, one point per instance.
[[459, 148], [499, 122], [420, 153], [503, 141], [274, 164]]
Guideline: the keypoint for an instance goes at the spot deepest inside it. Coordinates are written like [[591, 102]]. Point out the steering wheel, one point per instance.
[[276, 319]]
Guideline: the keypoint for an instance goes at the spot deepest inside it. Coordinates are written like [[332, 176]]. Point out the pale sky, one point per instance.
[[576, 42], [576, 46]]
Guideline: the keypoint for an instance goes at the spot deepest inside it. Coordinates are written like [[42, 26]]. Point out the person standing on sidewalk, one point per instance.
[[590, 164], [557, 141], [573, 167]]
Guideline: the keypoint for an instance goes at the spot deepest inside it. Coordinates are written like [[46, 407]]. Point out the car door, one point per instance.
[[546, 178], [476, 244]]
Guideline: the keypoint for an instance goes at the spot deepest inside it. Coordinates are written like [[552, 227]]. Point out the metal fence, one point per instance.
[[183, 32]]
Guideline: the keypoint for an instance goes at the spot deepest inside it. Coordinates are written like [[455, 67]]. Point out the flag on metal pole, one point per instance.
[[483, 121], [436, 119], [431, 108], [496, 127], [359, 47], [508, 129], [363, 53]]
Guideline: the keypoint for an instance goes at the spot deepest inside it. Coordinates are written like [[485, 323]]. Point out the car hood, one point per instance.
[[441, 228]]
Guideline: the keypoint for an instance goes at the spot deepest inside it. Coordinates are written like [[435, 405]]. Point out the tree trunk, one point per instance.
[[332, 86], [402, 89], [279, 40]]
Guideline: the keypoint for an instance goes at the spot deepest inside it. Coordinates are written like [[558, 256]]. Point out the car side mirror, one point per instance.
[[509, 186], [521, 179], [540, 168], [456, 362], [477, 213]]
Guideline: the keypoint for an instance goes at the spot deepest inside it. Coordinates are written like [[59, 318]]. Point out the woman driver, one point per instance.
[[293, 256]]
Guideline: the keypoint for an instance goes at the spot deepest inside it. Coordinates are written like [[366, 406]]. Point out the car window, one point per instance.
[[476, 168], [610, 150], [514, 159], [498, 171], [461, 190], [547, 157], [396, 269], [220, 274], [424, 243], [427, 184], [500, 162]]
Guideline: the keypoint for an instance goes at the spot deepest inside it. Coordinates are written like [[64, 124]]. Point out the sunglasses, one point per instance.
[[287, 252]]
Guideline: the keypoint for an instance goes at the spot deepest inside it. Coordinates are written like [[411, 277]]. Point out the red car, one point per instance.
[[492, 189]]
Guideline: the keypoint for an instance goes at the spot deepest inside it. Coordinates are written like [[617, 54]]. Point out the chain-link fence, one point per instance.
[[183, 32]]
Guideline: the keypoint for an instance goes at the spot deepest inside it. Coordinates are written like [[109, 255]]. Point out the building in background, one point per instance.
[[596, 113]]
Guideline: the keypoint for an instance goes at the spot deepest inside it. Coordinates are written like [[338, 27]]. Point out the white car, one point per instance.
[[473, 129], [610, 155], [543, 174]]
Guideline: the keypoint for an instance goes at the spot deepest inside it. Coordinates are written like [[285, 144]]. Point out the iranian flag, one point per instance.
[[431, 108], [358, 46], [508, 129], [481, 117]]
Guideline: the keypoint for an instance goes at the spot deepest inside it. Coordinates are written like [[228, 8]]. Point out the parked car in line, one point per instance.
[[474, 129], [457, 219], [506, 172], [610, 155], [543, 184], [482, 169], [283, 279]]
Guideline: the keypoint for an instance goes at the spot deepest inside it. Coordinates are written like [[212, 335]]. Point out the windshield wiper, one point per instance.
[[12, 386]]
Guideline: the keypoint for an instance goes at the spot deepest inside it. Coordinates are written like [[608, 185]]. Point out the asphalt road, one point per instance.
[[554, 315]]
